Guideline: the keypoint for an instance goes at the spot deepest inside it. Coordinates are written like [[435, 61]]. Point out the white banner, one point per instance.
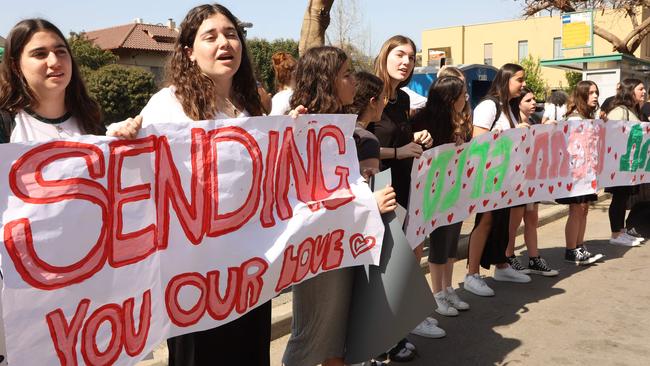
[[522, 165], [111, 246]]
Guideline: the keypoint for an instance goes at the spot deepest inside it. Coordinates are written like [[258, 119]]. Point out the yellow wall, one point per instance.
[[467, 42]]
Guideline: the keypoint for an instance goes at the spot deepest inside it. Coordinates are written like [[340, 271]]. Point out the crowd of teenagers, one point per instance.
[[210, 76]]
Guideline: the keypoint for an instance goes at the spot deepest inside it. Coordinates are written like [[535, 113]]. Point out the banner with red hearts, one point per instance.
[[517, 166], [111, 246]]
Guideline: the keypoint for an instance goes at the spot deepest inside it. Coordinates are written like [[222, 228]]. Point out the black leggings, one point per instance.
[[617, 210]]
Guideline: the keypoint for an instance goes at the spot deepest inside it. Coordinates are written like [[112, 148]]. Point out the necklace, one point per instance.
[[231, 106]]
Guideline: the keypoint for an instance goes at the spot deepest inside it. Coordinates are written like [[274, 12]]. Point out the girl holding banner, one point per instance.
[[582, 105], [489, 238], [527, 212], [443, 117], [626, 106], [211, 77]]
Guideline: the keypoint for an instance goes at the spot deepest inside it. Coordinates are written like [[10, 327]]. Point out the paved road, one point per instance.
[[597, 315]]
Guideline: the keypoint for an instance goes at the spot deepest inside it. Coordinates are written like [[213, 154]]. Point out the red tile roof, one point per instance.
[[135, 36]]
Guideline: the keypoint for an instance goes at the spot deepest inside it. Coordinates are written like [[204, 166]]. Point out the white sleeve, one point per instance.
[[548, 111], [163, 107], [484, 114], [280, 104]]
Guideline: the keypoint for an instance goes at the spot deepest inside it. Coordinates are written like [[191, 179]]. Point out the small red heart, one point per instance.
[[609, 149], [420, 166], [437, 173], [456, 162], [485, 202], [523, 137], [559, 184], [449, 173], [550, 189], [634, 179], [450, 217], [459, 151], [510, 201], [360, 244], [517, 167], [623, 129], [495, 205], [471, 208], [495, 136], [470, 171], [417, 186], [503, 193], [516, 149], [527, 150], [488, 165], [433, 222], [531, 191], [521, 193], [417, 212], [612, 176], [541, 185], [429, 161], [569, 186], [495, 180], [616, 156], [642, 176], [566, 129], [647, 129], [518, 187], [594, 184], [533, 132], [464, 185]]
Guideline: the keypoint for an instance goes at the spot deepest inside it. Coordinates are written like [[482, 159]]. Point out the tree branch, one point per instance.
[[611, 38], [639, 32]]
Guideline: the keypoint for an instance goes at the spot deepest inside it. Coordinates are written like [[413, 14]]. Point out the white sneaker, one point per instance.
[[476, 285], [454, 300], [633, 238], [510, 275], [428, 329], [623, 240], [444, 307]]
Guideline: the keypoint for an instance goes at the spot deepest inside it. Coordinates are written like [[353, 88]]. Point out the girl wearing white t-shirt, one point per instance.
[[555, 107], [211, 77], [496, 112], [284, 67], [42, 94]]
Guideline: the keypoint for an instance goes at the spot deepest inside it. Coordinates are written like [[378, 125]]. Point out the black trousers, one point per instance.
[[245, 341]]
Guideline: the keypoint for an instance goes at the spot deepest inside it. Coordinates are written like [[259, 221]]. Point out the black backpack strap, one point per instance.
[[7, 124], [497, 105]]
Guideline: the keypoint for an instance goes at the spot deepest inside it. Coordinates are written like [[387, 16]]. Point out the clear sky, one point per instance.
[[271, 19]]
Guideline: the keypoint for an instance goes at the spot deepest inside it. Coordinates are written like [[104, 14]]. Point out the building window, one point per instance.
[[523, 50], [557, 48], [487, 54]]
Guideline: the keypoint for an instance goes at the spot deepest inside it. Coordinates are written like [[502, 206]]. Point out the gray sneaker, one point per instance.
[[514, 263]]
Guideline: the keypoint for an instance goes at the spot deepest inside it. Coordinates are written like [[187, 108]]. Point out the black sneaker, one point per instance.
[[577, 257], [514, 263], [589, 254], [537, 265]]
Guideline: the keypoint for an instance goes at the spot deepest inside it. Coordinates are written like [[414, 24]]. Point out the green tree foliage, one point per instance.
[[261, 51], [88, 56], [534, 79], [572, 78], [121, 91]]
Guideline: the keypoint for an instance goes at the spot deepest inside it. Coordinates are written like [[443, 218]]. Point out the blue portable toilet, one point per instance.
[[478, 78]]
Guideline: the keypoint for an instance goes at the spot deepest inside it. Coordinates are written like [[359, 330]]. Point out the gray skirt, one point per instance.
[[320, 317]]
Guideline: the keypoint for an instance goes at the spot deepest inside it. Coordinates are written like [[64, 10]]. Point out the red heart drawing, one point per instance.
[[417, 212], [642, 176], [437, 173], [569, 186], [523, 137], [634, 179], [420, 165], [450, 217], [495, 180], [360, 244], [459, 151], [495, 136], [495, 205], [471, 208], [488, 165], [518, 187], [417, 186], [449, 173], [609, 149], [550, 189], [559, 184], [533, 132], [517, 167], [429, 161], [485, 202], [521, 193], [541, 185], [531, 191], [470, 171], [612, 176], [510, 201], [464, 185], [647, 129], [456, 162], [503, 193], [594, 184], [616, 156], [566, 129], [623, 129], [516, 149], [527, 150]]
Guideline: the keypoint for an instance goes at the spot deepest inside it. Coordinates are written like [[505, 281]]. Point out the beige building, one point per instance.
[[138, 44], [509, 41]]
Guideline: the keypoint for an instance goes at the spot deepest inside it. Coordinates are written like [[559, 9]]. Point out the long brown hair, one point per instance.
[[439, 116], [15, 93], [316, 80], [454, 71], [196, 91], [625, 96], [284, 68], [579, 98], [380, 62], [500, 90]]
